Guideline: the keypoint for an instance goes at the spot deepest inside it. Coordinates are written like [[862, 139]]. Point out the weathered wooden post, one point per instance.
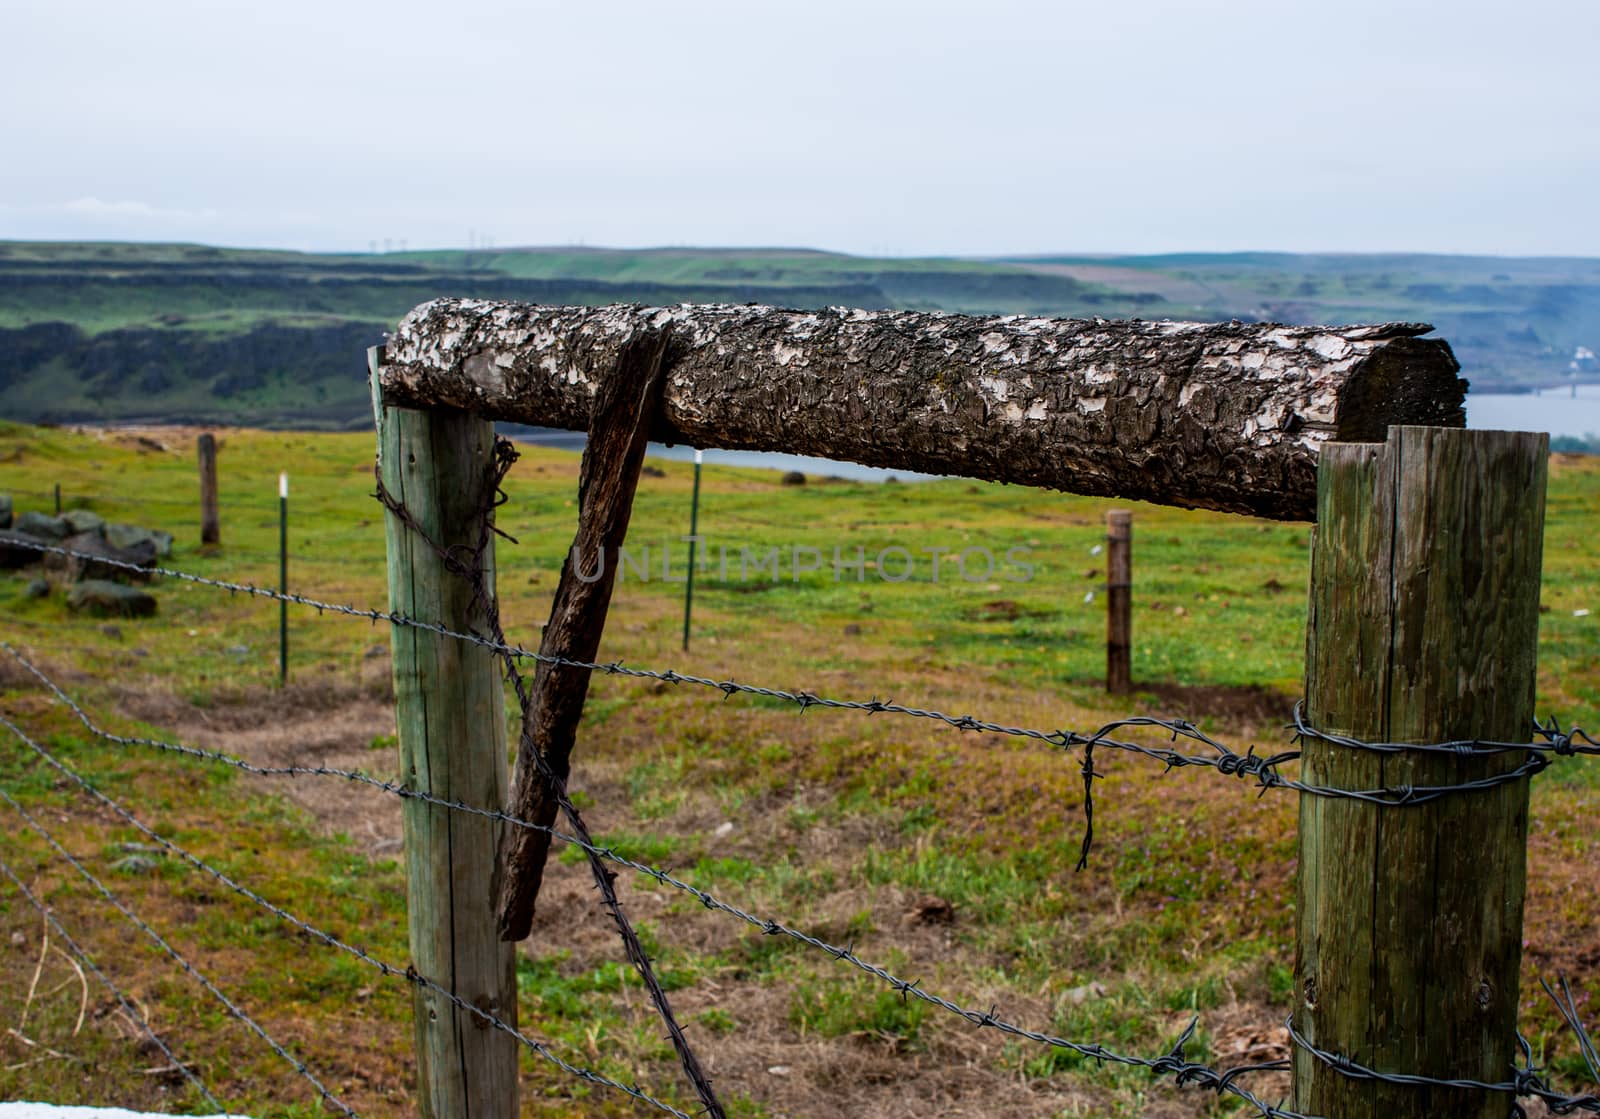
[[450, 713], [210, 527], [1119, 601], [1423, 626]]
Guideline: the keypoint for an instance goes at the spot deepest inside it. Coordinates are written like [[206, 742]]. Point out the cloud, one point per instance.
[[127, 209]]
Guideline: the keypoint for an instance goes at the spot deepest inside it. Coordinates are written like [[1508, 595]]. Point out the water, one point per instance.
[[1553, 410], [812, 468]]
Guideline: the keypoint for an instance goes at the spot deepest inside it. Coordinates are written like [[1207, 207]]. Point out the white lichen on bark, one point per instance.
[[1226, 416]]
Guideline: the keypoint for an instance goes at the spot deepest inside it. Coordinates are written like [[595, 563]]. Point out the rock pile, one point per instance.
[[96, 586]]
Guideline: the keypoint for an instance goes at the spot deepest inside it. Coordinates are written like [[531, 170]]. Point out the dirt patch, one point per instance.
[[1245, 709], [1001, 610], [311, 724]]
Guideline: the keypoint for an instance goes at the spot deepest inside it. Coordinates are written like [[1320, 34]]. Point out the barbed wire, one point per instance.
[[1263, 769], [410, 974], [1526, 1083], [768, 926], [1172, 1062], [161, 942], [1555, 741], [138, 1020]]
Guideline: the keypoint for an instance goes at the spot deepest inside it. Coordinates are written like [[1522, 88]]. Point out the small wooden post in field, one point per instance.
[[1119, 601], [1423, 627], [210, 526], [450, 713]]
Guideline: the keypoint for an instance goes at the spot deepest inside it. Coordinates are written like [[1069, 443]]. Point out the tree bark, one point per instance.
[[606, 483], [1225, 416]]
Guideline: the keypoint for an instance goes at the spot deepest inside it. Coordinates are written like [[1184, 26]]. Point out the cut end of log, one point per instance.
[[1408, 381]]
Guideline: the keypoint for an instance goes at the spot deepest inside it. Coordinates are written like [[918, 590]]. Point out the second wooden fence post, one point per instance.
[[210, 524], [450, 713], [1423, 628], [1119, 601]]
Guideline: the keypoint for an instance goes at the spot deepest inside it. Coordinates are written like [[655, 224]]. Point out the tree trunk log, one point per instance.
[[1225, 416]]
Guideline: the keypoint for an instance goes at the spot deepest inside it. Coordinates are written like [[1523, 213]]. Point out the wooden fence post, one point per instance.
[[1119, 601], [210, 528], [450, 712], [1423, 627]]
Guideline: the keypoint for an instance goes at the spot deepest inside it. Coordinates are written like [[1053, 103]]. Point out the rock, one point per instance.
[[131, 536], [42, 526], [1080, 995], [14, 554], [794, 478], [38, 588], [103, 598], [81, 520], [5, 510], [91, 547], [111, 631]]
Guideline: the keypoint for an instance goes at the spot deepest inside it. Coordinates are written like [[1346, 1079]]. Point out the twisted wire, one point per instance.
[[228, 1004], [1187, 1072], [410, 974], [116, 992]]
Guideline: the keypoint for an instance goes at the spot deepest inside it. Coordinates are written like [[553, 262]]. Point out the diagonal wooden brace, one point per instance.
[[626, 406]]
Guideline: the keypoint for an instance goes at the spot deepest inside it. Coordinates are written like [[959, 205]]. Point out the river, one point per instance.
[[1558, 411]]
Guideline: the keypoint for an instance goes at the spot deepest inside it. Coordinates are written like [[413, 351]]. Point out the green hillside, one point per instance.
[[105, 332], [1512, 321]]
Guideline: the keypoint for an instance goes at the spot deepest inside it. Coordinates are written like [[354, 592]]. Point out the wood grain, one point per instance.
[[1423, 628], [450, 713]]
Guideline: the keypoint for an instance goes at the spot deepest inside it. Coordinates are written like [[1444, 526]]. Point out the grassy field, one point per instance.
[[945, 856]]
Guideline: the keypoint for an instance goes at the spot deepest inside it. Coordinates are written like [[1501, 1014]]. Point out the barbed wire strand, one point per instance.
[[772, 927], [1223, 760], [1527, 1081], [906, 988], [1568, 1010], [410, 974], [228, 1004], [138, 1020]]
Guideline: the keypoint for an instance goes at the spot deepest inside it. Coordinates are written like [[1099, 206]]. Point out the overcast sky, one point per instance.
[[900, 128]]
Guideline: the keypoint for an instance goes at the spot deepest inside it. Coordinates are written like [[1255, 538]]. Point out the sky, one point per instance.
[[926, 128]]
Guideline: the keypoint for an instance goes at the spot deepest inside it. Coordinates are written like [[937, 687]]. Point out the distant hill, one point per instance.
[[106, 332]]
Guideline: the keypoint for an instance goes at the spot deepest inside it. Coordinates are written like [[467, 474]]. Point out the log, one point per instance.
[[1226, 416], [629, 398]]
